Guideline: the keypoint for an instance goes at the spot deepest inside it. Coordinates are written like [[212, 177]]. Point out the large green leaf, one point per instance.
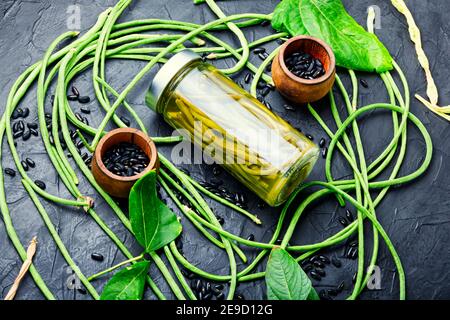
[[286, 17], [127, 284], [153, 223], [285, 279], [354, 47]]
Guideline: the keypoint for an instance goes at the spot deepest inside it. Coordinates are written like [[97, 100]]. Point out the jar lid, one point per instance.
[[165, 75]]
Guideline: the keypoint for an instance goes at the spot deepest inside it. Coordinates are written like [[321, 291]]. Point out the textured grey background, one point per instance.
[[416, 216]]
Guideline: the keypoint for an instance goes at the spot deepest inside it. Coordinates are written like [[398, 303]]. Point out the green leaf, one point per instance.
[[127, 284], [354, 47], [153, 223], [313, 295], [286, 17], [285, 279]]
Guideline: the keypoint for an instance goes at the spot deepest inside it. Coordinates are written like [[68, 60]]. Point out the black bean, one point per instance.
[[79, 144], [220, 296], [84, 99], [259, 50], [26, 135], [85, 110], [353, 244], [265, 23], [79, 117], [125, 121], [324, 152], [207, 296], [262, 56], [198, 285], [310, 137], [324, 259], [72, 97], [10, 172], [219, 287], [316, 74], [320, 272], [349, 216], [34, 132], [354, 277], [251, 237], [308, 268], [247, 77], [15, 127], [17, 134], [343, 221], [73, 135], [32, 125], [220, 220], [351, 253], [25, 112], [354, 254], [340, 287], [82, 290], [322, 142], [288, 107], [318, 264], [20, 125], [30, 162], [17, 113], [85, 121], [364, 83], [40, 184], [336, 262], [268, 105], [97, 257], [264, 92], [315, 275], [75, 91]]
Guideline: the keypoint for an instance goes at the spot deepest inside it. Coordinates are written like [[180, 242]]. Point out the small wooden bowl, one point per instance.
[[113, 184], [296, 89]]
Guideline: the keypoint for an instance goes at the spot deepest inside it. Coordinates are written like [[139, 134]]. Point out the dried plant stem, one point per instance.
[[23, 270]]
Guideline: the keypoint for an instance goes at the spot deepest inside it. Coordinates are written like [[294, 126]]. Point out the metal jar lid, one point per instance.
[[165, 75]]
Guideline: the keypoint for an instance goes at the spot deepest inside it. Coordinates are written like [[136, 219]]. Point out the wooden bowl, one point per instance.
[[296, 89], [113, 184]]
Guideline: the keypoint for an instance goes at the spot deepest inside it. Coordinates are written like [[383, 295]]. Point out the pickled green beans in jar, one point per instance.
[[231, 127]]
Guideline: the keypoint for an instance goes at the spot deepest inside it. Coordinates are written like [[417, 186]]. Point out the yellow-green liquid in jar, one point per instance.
[[256, 146]]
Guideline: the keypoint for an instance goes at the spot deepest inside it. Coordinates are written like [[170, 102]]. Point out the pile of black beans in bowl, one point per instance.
[[305, 66], [125, 159]]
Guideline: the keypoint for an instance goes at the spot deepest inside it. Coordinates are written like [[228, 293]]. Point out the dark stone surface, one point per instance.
[[416, 216]]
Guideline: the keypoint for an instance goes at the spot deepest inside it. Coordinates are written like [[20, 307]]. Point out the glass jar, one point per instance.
[[231, 127]]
